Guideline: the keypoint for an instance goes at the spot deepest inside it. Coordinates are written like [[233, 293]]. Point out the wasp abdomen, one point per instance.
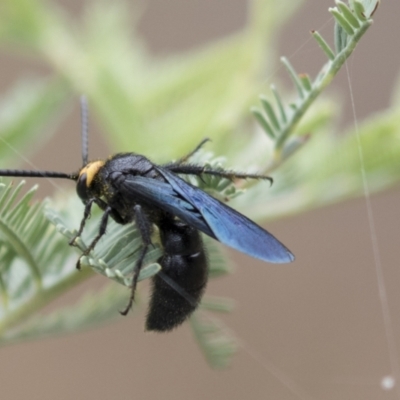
[[178, 288]]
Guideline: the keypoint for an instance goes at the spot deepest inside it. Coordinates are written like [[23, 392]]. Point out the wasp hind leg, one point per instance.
[[182, 167], [198, 170]]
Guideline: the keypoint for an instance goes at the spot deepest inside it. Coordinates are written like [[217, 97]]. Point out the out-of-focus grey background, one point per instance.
[[310, 330]]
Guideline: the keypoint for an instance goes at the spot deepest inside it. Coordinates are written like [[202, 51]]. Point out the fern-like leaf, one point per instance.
[[351, 24], [36, 266]]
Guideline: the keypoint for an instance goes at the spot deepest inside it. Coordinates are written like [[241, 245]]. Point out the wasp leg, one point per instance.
[[145, 228], [194, 169], [86, 215], [184, 159], [102, 231]]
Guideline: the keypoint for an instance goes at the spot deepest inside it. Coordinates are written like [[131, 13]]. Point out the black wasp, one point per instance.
[[129, 188]]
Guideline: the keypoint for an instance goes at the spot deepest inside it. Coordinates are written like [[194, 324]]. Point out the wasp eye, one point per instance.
[[81, 187]]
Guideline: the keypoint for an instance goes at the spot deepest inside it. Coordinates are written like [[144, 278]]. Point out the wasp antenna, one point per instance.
[[37, 174], [84, 130]]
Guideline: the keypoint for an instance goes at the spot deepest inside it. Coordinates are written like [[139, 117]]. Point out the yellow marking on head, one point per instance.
[[91, 170]]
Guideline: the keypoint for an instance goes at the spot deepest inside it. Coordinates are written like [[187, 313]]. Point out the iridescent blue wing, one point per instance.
[[229, 226], [209, 215]]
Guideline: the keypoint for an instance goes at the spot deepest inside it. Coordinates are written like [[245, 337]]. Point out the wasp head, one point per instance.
[[85, 178]]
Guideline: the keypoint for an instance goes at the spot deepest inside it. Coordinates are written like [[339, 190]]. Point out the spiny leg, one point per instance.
[[101, 232], [194, 169], [145, 229], [180, 167]]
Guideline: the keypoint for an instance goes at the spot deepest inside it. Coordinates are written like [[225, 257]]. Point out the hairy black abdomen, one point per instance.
[[178, 288]]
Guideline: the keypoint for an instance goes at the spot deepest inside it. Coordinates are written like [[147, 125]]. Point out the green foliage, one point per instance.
[[349, 28], [140, 100], [35, 262]]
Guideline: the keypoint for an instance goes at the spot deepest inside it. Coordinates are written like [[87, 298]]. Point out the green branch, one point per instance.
[[351, 25]]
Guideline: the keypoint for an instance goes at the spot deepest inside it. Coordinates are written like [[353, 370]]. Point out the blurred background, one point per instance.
[[310, 330]]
